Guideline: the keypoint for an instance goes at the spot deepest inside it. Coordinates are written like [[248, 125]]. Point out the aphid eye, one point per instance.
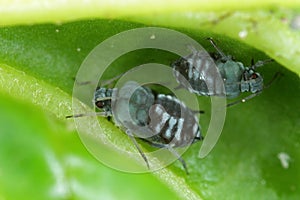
[[254, 76], [100, 104]]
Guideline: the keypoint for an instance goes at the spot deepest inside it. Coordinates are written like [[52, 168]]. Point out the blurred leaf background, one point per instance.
[[42, 46]]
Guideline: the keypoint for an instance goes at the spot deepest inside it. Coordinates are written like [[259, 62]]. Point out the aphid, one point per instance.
[[237, 78], [161, 120]]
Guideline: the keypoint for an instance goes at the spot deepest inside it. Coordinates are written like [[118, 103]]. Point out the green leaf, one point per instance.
[[41, 155], [34, 11], [255, 28], [40, 148]]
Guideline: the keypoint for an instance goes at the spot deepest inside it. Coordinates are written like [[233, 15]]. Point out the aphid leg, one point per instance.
[[84, 82], [276, 76], [138, 147], [175, 153], [260, 63], [198, 139], [109, 81], [192, 49], [179, 87], [222, 54], [244, 99], [91, 114], [198, 111]]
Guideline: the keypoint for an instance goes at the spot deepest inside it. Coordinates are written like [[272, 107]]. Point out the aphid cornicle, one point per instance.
[[160, 120], [236, 77]]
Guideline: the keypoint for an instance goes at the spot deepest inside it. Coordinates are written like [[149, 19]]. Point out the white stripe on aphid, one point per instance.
[[196, 75], [190, 60], [195, 128], [172, 122], [206, 66], [179, 128], [175, 99], [159, 126], [198, 63], [169, 97], [158, 110]]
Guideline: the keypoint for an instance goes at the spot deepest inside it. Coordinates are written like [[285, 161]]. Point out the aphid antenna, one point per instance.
[[102, 83], [91, 114], [243, 100], [223, 56], [260, 63], [275, 77]]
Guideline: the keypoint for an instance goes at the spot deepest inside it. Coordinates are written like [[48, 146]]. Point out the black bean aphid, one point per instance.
[[160, 120], [236, 77]]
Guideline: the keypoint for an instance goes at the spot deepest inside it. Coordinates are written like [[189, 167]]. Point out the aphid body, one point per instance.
[[197, 68], [161, 120]]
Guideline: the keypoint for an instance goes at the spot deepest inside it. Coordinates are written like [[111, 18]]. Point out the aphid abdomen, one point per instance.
[[197, 72], [173, 122]]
